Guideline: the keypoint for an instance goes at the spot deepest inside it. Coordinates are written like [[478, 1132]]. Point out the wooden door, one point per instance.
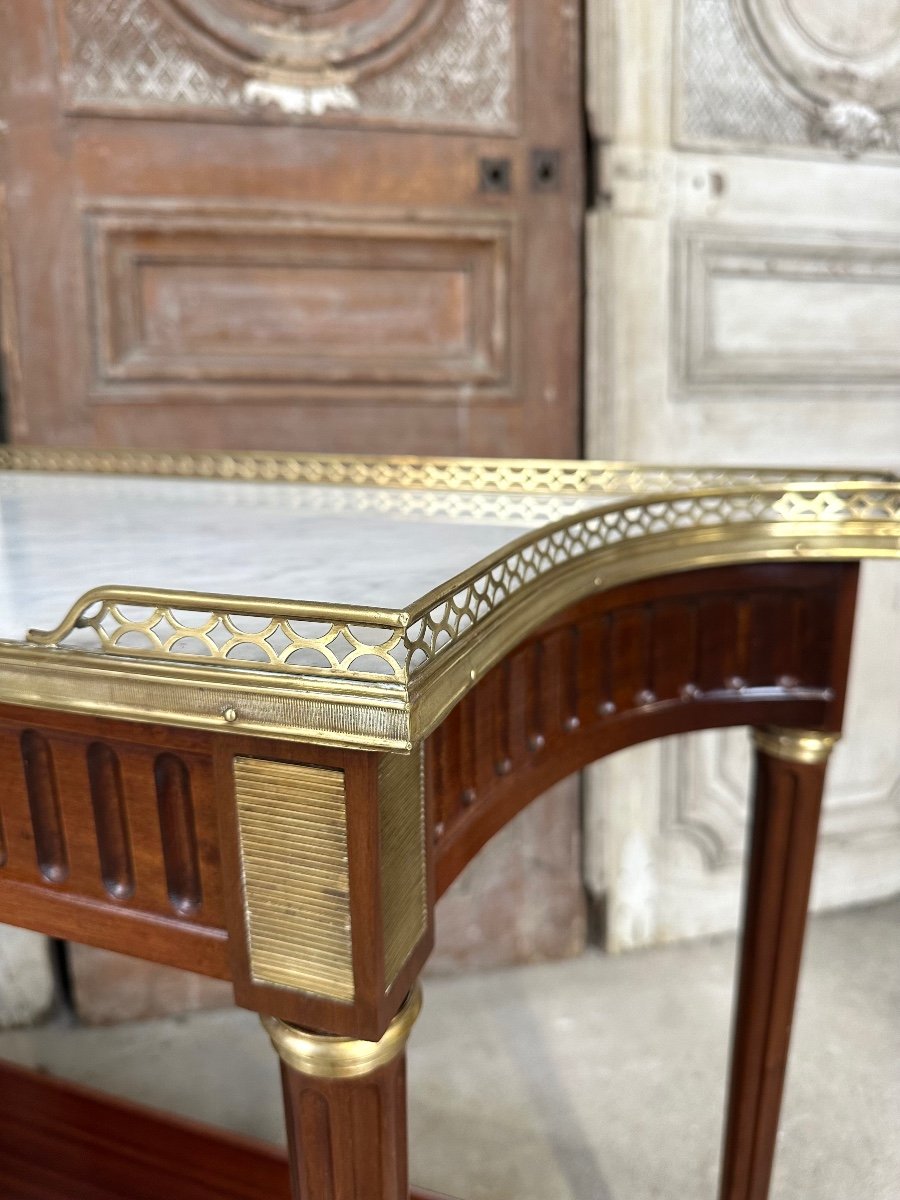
[[336, 225]]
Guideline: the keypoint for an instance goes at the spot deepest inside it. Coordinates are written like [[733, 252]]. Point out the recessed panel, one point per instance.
[[234, 310], [764, 308], [316, 303]]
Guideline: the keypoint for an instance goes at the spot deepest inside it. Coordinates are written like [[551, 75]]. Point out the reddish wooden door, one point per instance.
[[337, 225]]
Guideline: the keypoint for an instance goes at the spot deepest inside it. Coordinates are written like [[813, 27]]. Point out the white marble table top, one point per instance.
[[61, 535], [347, 601]]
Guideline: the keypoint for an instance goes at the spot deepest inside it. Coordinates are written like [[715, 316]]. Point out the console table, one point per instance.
[[257, 712]]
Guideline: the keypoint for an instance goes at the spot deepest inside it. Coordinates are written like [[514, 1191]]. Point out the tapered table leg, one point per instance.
[[345, 1108], [790, 774]]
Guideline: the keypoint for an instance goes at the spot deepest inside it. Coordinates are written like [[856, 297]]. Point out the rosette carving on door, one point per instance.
[[840, 63]]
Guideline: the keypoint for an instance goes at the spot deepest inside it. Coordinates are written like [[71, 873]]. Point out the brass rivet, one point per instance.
[[473, 674], [598, 580], [230, 715]]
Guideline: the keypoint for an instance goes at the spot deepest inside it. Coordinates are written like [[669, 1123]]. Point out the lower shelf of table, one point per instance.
[[59, 1141]]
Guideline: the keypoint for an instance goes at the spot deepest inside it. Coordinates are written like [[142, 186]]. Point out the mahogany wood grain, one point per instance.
[[110, 836], [786, 808], [760, 644], [97, 923], [61, 1141], [347, 1139]]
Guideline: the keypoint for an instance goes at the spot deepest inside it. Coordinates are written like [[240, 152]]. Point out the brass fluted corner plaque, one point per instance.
[[292, 824], [404, 899]]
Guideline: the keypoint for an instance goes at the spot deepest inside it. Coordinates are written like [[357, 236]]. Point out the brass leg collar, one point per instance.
[[795, 745], [325, 1057]]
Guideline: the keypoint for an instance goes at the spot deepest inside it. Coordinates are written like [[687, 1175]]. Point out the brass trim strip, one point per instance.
[[339, 712], [323, 1057], [795, 745], [526, 475], [401, 843]]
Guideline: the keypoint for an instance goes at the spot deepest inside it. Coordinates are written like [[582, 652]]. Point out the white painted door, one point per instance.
[[745, 307]]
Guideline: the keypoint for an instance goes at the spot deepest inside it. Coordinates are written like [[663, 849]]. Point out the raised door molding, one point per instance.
[[769, 312], [224, 301]]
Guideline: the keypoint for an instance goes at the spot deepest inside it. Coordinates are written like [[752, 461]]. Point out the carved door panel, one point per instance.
[[345, 225], [751, 275]]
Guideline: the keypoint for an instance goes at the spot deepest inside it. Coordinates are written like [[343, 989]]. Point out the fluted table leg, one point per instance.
[[790, 774], [345, 1108]]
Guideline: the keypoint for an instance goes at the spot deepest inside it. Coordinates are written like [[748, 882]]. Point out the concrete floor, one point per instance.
[[597, 1079]]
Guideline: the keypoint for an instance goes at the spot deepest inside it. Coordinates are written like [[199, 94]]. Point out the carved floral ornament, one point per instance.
[[840, 62]]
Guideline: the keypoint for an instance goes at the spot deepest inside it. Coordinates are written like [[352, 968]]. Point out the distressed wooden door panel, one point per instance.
[[242, 223]]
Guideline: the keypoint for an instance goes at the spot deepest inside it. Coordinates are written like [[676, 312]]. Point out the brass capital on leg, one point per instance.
[[808, 746], [321, 1056]]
